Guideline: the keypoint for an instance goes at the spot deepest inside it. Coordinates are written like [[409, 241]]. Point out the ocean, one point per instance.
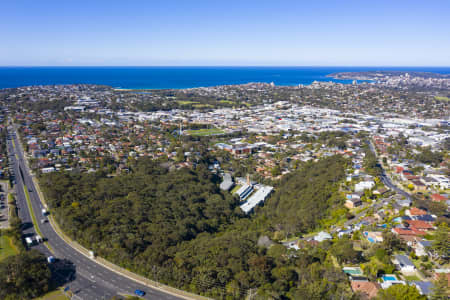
[[180, 77]]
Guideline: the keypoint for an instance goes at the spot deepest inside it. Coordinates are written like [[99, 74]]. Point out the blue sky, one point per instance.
[[197, 32]]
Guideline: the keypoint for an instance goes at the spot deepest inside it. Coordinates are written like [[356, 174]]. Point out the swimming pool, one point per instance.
[[353, 271], [389, 278]]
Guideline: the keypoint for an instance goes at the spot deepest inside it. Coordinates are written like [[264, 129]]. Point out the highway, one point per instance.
[[89, 280]]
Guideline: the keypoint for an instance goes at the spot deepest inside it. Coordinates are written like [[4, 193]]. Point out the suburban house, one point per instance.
[[425, 287], [364, 185], [421, 247], [403, 263], [353, 202], [438, 198], [442, 181], [374, 236], [414, 211], [419, 186], [402, 231], [419, 225], [322, 236], [367, 289]]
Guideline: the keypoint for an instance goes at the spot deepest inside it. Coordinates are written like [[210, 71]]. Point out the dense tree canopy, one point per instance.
[[427, 156], [400, 292], [178, 228], [24, 276], [371, 163], [138, 216], [304, 197]]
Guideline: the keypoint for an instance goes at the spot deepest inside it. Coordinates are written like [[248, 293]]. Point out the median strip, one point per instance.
[[33, 217]]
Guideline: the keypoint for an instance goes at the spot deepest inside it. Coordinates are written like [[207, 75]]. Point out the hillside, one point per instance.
[[178, 228]]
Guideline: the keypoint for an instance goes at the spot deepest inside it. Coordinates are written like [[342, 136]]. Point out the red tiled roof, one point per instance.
[[398, 169], [418, 224], [369, 289], [414, 211], [438, 197], [411, 231]]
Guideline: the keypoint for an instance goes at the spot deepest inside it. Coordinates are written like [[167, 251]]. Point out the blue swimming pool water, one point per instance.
[[389, 278]]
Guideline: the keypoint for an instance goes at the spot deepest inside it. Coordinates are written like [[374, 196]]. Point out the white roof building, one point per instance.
[[322, 236], [259, 196]]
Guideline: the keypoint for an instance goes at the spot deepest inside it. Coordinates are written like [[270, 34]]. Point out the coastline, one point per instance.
[[178, 78]]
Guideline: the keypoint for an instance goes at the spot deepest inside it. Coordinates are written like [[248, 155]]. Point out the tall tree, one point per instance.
[[24, 276], [441, 289], [441, 243], [400, 292]]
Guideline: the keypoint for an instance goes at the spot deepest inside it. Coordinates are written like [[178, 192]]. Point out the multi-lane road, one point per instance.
[[89, 280]]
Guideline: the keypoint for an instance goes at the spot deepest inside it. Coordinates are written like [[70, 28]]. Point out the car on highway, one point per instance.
[[140, 293]]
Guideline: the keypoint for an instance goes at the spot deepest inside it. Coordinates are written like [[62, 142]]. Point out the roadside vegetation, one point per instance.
[[24, 276], [178, 228], [7, 248]]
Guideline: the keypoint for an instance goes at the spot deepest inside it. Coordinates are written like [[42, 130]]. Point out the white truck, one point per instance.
[[29, 241]]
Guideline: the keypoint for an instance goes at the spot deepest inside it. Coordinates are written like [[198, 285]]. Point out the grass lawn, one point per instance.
[[441, 98], [53, 295], [236, 188], [202, 105], [30, 208], [412, 278], [204, 132], [226, 101], [181, 102], [6, 247], [290, 239]]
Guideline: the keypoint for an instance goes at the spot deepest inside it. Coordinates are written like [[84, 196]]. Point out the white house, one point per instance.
[[364, 185], [404, 264], [442, 180], [322, 236], [47, 170], [421, 248]]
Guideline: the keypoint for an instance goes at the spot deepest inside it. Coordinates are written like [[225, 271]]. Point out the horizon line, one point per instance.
[[224, 66]]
